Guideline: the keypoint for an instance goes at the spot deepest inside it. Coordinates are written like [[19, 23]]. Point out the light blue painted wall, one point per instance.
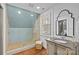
[[23, 20], [20, 34], [21, 25]]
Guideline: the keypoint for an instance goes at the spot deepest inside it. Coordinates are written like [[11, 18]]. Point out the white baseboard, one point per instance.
[[14, 51]]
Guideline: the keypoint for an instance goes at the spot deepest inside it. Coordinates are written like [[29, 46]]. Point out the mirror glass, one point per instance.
[[62, 27]]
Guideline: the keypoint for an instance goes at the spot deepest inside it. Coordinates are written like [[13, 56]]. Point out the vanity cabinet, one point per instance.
[[57, 49]]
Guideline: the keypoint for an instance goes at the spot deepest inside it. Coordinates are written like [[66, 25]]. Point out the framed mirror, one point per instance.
[[65, 23]]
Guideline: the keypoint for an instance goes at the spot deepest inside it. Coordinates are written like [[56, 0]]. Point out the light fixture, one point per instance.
[[32, 15], [19, 12], [38, 7]]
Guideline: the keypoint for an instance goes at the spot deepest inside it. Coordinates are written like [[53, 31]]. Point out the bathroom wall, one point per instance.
[[22, 20], [55, 10], [20, 27], [19, 37], [21, 34]]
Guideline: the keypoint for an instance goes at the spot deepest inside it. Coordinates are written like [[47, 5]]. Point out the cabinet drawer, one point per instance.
[[51, 48], [61, 50]]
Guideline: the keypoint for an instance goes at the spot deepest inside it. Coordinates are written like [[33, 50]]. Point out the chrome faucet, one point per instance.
[[63, 38]]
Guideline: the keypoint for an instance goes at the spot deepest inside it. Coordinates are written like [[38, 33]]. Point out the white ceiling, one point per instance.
[[32, 6]]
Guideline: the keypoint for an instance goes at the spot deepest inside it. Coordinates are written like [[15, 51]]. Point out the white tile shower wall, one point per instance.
[[43, 17], [36, 29]]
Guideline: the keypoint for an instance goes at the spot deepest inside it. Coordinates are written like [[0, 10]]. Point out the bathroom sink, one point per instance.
[[60, 41]]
